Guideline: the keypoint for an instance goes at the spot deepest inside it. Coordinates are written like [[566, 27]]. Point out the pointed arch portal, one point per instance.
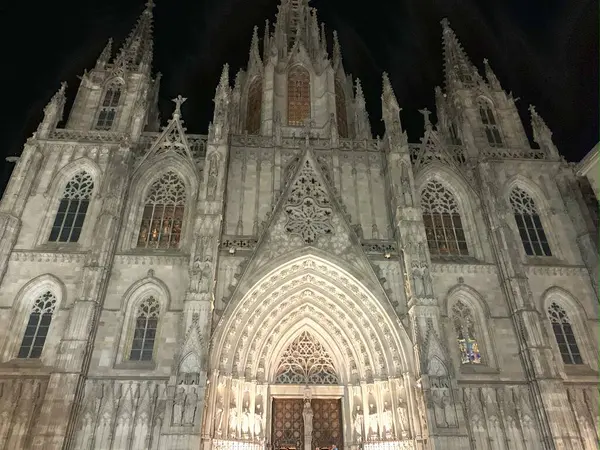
[[309, 329]]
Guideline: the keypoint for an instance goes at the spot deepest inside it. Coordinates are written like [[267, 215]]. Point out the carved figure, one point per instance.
[[233, 421], [403, 417], [246, 421], [219, 420], [191, 405], [440, 415], [417, 281], [178, 406], [307, 415], [213, 176], [386, 422], [449, 411], [258, 425], [373, 425], [358, 424]]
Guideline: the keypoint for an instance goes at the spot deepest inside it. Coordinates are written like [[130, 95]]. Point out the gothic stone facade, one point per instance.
[[158, 289]]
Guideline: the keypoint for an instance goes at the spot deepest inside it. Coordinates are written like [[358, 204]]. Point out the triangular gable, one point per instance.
[[171, 140], [309, 215], [432, 149]]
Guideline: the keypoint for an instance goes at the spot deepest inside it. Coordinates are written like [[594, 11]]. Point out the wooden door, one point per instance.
[[327, 423], [287, 424]]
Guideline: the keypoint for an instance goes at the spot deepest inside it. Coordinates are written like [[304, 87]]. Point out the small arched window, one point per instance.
[[37, 326], [340, 109], [298, 96], [443, 226], [464, 326], [564, 335], [529, 224], [109, 106], [253, 112], [144, 333], [72, 209], [162, 218], [490, 125]]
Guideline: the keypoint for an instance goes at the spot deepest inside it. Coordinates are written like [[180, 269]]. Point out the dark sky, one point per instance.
[[544, 51]]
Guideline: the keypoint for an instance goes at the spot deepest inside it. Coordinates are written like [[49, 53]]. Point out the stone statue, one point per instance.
[[403, 417], [219, 420], [386, 422], [427, 286], [258, 425], [213, 176], [373, 421], [178, 406], [246, 421], [307, 415], [417, 281], [440, 415], [358, 424], [233, 422], [449, 411], [201, 279], [191, 404]]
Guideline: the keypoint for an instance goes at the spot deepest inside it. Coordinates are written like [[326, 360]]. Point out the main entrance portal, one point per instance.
[[306, 424]]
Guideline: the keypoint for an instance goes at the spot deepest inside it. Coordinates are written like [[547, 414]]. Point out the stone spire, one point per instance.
[[254, 60], [337, 52], [219, 127], [53, 112], [457, 66], [491, 77], [136, 52], [363, 127], [104, 57], [297, 24], [391, 112], [542, 134]]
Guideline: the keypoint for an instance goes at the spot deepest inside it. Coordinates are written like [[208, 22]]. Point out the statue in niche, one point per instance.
[[427, 286], [202, 276], [246, 421], [386, 421], [449, 411], [406, 188], [213, 177], [258, 422], [307, 415], [358, 423], [418, 281], [219, 420], [191, 404], [373, 421], [403, 417], [233, 422], [440, 415], [178, 406]]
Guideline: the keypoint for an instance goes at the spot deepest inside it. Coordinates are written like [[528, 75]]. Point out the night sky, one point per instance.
[[544, 51]]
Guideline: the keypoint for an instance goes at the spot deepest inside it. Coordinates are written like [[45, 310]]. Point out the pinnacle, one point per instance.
[[359, 90]]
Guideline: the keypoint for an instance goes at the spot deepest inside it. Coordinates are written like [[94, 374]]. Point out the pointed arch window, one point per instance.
[[72, 209], [564, 335], [254, 107], [454, 136], [529, 224], [490, 125], [443, 225], [109, 106], [162, 218], [298, 96], [340, 109], [305, 361], [464, 326], [38, 325], [144, 334]]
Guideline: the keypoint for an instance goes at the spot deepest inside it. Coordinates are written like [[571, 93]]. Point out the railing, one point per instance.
[[86, 135], [389, 445], [512, 153], [220, 444]]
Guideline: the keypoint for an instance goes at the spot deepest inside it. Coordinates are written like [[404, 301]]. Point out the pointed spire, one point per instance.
[[136, 52], [457, 66], [254, 59], [391, 111], [266, 41], [337, 52], [542, 134], [359, 96], [224, 79], [388, 95], [105, 55], [53, 112], [363, 127], [491, 76]]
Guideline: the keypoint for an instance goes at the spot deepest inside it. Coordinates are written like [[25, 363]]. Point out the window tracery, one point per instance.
[[464, 326], [162, 218], [108, 110], [36, 331], [490, 126], [144, 334], [340, 109], [564, 334], [72, 209], [298, 96], [305, 361], [529, 224], [443, 225], [253, 113]]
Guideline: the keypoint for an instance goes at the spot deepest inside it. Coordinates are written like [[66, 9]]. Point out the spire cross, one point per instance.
[[178, 102], [426, 114]]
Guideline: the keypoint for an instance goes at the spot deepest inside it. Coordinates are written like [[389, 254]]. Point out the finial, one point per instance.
[[359, 90], [445, 24], [179, 100], [106, 53], [224, 80], [337, 52], [150, 5], [387, 85], [426, 113]]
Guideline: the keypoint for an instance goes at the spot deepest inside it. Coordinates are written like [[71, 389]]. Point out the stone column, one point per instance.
[[59, 410]]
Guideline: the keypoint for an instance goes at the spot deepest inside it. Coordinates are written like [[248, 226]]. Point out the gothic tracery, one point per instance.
[[72, 209]]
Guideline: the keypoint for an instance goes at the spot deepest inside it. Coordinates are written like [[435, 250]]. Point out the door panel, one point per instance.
[[288, 425], [327, 423]]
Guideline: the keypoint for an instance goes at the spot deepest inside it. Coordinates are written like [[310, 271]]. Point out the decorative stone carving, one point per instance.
[[213, 176], [358, 424], [307, 417]]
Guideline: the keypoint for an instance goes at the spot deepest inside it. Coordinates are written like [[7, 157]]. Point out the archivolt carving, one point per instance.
[[313, 288]]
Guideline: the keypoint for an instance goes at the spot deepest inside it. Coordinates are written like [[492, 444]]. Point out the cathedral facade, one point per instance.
[[288, 281]]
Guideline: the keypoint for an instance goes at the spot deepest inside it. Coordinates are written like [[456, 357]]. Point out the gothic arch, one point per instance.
[[253, 104], [303, 93], [22, 305], [310, 286], [466, 197], [143, 179]]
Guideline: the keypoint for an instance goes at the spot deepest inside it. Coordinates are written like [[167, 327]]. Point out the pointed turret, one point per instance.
[[361, 119], [337, 52], [542, 134], [267, 41], [491, 77], [391, 112], [297, 24], [104, 57], [53, 112], [219, 128], [136, 52], [457, 66], [254, 60]]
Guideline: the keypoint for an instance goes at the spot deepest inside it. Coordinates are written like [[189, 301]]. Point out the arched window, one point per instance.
[[454, 136], [163, 214], [298, 96], [443, 226], [563, 332], [340, 109], [490, 126], [144, 335], [38, 325], [529, 224], [305, 361], [108, 109], [253, 113], [464, 326], [72, 209]]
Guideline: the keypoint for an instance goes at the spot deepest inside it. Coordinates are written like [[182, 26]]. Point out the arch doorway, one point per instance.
[[308, 357]]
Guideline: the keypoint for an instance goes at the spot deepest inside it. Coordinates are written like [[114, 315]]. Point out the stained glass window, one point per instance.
[[563, 332], [144, 334], [37, 327], [464, 326], [443, 226], [163, 214], [305, 361], [340, 109], [490, 126], [253, 112], [298, 96], [72, 209], [108, 110], [529, 224]]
